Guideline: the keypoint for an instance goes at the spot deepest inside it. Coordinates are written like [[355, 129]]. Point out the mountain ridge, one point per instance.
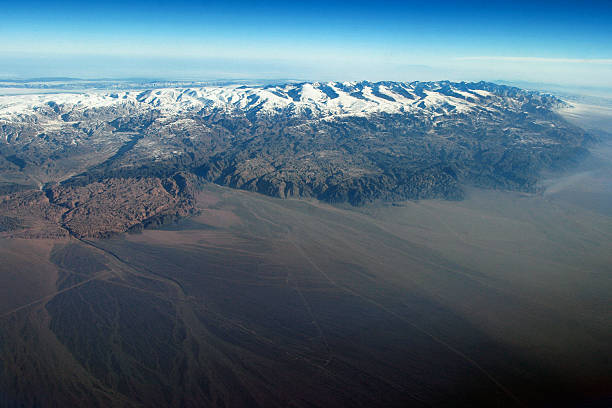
[[315, 99], [354, 142]]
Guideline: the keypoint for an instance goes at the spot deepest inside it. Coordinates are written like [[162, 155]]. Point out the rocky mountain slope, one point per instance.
[[353, 142]]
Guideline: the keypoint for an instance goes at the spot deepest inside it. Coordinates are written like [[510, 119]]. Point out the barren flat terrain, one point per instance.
[[498, 299]]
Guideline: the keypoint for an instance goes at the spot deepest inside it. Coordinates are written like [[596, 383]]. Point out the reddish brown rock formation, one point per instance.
[[98, 209]]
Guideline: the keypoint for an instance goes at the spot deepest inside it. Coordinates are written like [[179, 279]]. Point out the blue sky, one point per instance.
[[547, 41]]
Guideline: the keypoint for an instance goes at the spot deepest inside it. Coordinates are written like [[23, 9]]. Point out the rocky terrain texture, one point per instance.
[[97, 210], [117, 205], [29, 214], [98, 163]]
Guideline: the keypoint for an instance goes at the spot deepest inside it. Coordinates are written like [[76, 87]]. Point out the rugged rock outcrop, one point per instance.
[[116, 205], [99, 209]]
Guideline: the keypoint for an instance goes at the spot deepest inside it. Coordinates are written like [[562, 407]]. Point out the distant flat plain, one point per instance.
[[502, 299]]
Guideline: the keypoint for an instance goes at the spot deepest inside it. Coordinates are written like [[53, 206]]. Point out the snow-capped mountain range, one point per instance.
[[351, 142], [315, 99]]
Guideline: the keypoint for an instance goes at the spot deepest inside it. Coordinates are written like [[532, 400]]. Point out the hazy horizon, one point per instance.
[[551, 42]]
